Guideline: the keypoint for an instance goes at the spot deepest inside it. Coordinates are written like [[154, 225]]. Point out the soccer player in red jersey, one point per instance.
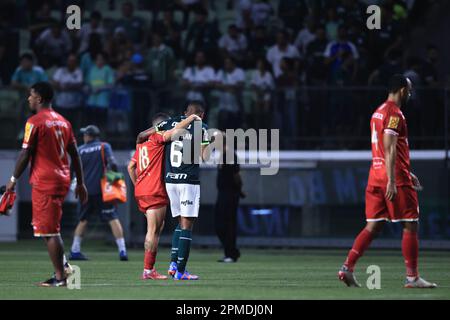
[[391, 193], [146, 172], [47, 144]]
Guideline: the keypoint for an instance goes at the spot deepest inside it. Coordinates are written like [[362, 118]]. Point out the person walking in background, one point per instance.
[[229, 187], [95, 156]]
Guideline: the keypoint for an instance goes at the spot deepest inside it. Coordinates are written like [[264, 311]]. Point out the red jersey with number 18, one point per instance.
[[388, 119], [149, 158], [49, 134]]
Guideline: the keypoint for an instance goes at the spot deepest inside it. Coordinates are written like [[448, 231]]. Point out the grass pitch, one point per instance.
[[259, 274]]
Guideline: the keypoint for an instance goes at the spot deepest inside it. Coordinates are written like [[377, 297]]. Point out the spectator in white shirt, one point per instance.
[[230, 81], [234, 43], [305, 36], [198, 78], [282, 49], [94, 26], [261, 11], [53, 46], [263, 85], [68, 84]]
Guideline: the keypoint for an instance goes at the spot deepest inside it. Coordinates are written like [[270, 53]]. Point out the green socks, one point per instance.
[[175, 240], [184, 246]]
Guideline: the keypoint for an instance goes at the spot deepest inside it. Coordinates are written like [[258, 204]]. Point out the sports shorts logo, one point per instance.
[[187, 203], [176, 176]]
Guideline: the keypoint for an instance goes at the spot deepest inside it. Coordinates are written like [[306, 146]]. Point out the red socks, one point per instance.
[[410, 249], [149, 259], [360, 245]]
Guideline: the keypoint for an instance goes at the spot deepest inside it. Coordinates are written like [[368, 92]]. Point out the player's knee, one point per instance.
[[375, 227], [410, 226]]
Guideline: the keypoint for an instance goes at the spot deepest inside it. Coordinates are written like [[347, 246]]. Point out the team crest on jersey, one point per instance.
[[393, 122], [28, 129]]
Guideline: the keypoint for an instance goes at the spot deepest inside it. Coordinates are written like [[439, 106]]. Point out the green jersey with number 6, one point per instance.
[[181, 155]]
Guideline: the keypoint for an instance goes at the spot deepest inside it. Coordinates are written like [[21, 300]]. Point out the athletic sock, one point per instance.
[[149, 260], [175, 241], [121, 244], [64, 259], [410, 250], [184, 247], [360, 245], [76, 244]]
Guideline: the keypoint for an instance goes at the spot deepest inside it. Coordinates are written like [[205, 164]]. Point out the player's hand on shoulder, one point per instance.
[[194, 117]]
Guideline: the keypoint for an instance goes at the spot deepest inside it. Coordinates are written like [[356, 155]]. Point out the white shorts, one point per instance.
[[184, 199]]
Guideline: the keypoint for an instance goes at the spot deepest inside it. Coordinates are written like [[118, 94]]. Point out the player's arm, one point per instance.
[[416, 183], [143, 136], [80, 191], [111, 160], [167, 135], [390, 154], [21, 164], [132, 171]]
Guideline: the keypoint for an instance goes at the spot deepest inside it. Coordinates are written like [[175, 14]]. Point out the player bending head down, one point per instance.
[[391, 194], [146, 173]]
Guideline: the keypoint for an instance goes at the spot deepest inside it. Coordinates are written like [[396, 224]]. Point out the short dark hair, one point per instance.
[[44, 90], [158, 117], [397, 82], [197, 105], [27, 56]]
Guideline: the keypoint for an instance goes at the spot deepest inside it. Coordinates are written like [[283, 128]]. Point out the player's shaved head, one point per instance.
[[400, 89], [397, 82], [195, 107], [159, 117]]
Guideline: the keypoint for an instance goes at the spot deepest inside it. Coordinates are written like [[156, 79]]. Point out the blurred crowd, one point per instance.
[[115, 72]]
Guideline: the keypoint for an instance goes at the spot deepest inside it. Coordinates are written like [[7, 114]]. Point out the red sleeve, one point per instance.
[[158, 138], [30, 136]]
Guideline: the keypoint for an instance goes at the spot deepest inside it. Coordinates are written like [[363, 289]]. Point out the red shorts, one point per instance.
[[47, 213], [405, 206], [151, 202]]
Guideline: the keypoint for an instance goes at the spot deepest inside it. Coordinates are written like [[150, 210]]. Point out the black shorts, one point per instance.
[[96, 206]]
